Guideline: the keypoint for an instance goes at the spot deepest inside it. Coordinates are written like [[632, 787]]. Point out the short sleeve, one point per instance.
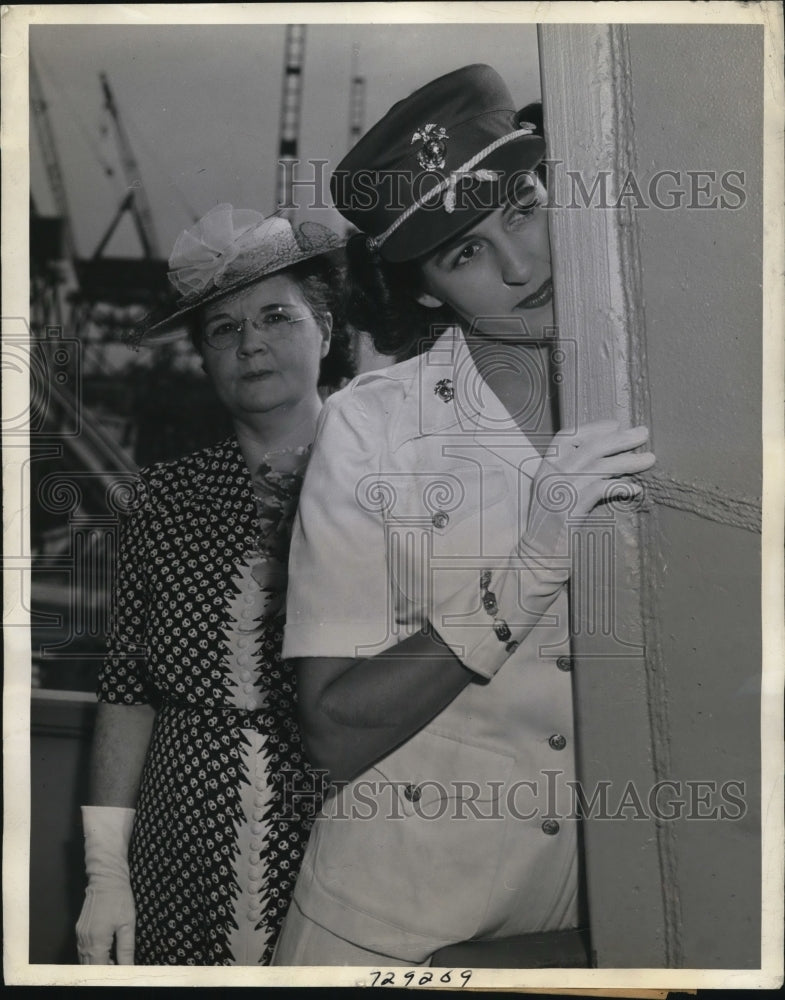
[[123, 678], [337, 602]]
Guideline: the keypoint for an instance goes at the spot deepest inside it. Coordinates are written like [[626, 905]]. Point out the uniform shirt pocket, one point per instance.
[[445, 521]]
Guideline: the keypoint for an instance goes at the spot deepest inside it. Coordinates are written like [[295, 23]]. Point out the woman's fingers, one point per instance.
[[588, 432], [625, 440], [591, 486], [590, 465], [94, 953], [577, 452], [614, 442], [125, 940], [625, 464], [600, 489]]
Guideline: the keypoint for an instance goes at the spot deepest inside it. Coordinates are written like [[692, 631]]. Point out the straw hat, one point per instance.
[[227, 250]]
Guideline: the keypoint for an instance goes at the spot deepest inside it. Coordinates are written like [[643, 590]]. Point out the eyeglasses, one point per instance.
[[227, 333]]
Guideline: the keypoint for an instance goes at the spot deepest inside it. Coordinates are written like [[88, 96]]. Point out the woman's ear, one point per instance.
[[429, 301], [326, 327]]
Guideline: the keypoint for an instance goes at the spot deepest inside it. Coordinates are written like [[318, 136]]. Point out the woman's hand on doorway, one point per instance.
[[580, 469]]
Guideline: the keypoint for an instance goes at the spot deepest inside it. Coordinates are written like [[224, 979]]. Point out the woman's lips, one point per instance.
[[540, 298], [252, 376]]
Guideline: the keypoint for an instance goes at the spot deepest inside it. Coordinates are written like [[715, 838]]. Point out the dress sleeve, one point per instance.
[[337, 602], [123, 679]]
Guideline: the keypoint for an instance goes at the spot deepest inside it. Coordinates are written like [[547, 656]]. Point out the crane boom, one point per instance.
[[140, 207], [291, 97], [356, 105], [50, 157]]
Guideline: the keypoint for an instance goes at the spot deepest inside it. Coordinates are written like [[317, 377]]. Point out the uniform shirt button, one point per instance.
[[550, 826], [245, 675], [502, 630], [255, 876], [257, 828], [250, 704], [489, 602], [242, 642], [243, 659], [261, 784], [255, 859], [440, 519], [564, 663], [248, 688], [557, 741]]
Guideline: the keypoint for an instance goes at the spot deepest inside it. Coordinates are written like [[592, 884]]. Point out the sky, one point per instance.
[[201, 107]]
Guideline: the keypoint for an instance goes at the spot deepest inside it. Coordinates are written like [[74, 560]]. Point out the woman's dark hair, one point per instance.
[[382, 300], [322, 282], [533, 113]]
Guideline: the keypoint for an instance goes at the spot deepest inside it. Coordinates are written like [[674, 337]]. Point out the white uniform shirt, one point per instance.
[[415, 496]]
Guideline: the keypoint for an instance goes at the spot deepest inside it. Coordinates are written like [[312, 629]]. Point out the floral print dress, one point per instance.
[[226, 799]]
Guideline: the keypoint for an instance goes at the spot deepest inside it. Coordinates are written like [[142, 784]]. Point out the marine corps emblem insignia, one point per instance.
[[433, 152]]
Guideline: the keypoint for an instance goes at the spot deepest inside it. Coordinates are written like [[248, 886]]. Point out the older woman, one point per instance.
[[197, 820], [427, 612]]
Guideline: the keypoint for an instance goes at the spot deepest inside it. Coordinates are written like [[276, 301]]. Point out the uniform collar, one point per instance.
[[446, 394]]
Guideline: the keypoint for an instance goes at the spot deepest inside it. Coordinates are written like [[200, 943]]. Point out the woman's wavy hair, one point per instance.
[[382, 300], [322, 281], [382, 296]]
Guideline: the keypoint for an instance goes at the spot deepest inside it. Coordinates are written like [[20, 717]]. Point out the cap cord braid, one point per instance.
[[449, 184]]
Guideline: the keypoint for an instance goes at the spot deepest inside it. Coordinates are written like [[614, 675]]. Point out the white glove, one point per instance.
[[568, 484], [573, 478], [108, 912]]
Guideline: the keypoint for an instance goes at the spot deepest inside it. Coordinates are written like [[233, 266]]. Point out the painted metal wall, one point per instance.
[[696, 96], [663, 303]]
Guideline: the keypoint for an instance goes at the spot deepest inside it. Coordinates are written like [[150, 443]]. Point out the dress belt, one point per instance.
[[546, 950], [223, 715]]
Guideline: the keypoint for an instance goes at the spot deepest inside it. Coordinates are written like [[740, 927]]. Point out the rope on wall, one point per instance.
[[706, 501]]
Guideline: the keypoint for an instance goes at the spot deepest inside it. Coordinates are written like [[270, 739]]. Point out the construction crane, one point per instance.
[[51, 237], [51, 160], [111, 289], [356, 103], [291, 98], [138, 204]]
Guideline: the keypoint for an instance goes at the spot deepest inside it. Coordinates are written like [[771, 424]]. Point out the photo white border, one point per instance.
[[16, 20]]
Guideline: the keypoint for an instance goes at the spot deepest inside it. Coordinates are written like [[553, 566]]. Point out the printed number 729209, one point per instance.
[[420, 978]]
